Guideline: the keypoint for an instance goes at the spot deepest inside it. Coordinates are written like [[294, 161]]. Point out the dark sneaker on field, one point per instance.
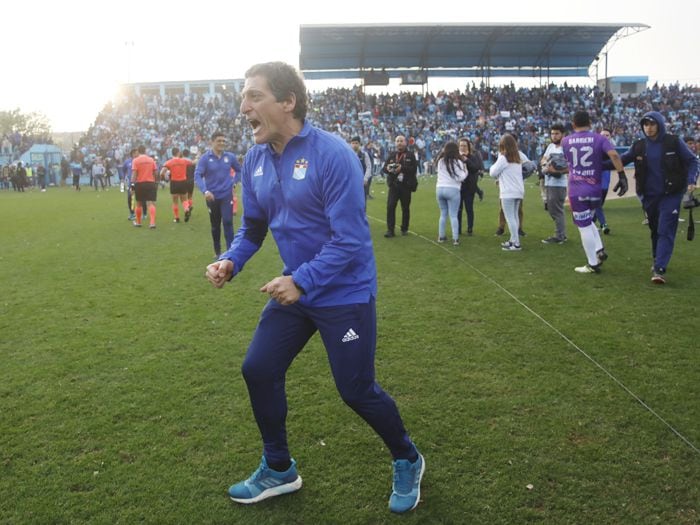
[[553, 240]]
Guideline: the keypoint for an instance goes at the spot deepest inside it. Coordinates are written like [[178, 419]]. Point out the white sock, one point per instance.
[[590, 238]]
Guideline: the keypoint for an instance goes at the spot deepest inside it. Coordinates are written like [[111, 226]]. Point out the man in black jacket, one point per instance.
[[400, 168], [664, 169]]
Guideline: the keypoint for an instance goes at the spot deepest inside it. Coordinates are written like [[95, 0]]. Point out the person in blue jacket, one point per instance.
[[305, 186], [664, 169], [215, 178], [126, 170]]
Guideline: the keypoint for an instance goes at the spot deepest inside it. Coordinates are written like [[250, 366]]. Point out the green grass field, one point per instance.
[[536, 394]]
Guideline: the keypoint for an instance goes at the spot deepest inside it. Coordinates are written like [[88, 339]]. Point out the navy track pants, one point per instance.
[[349, 335]]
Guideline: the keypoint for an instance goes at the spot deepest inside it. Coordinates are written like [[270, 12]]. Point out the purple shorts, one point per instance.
[[583, 208]]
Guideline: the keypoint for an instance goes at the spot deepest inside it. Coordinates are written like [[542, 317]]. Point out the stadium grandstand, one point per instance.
[[377, 52], [414, 53]]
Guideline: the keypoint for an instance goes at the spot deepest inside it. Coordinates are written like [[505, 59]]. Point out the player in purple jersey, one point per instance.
[[585, 152]]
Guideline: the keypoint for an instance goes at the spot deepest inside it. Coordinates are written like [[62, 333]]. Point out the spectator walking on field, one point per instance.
[[451, 173], [366, 163], [76, 169], [21, 177], [664, 169], [508, 172], [554, 168], [400, 168], [98, 174], [470, 186]]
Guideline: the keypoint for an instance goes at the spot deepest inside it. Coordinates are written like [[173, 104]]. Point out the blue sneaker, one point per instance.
[[266, 483], [405, 491]]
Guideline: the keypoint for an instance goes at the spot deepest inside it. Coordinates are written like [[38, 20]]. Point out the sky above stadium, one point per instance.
[[67, 59]]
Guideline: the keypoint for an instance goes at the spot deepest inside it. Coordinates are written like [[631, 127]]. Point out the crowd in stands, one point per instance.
[[12, 145], [483, 114]]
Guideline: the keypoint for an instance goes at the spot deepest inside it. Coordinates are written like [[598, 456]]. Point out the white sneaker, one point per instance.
[[510, 247], [587, 268]]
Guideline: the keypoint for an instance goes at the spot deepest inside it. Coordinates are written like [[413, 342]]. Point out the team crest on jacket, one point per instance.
[[300, 166]]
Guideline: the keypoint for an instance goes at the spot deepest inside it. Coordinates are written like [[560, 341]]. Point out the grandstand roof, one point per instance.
[[345, 51]]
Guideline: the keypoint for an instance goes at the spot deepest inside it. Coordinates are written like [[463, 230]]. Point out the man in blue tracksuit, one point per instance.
[[215, 180], [305, 185], [664, 169]]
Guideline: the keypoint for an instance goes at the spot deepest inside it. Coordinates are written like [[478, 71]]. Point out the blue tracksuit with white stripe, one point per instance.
[[213, 174], [311, 198]]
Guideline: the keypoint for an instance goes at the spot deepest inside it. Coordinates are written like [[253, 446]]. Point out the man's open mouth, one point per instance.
[[255, 124]]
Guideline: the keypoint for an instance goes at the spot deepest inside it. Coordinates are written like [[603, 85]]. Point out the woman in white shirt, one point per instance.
[[509, 174], [450, 174]]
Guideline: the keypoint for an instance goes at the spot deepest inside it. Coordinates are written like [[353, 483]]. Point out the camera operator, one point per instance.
[[555, 170], [400, 168]]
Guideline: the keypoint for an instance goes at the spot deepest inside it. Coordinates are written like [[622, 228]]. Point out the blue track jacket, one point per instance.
[[214, 174], [312, 199]]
